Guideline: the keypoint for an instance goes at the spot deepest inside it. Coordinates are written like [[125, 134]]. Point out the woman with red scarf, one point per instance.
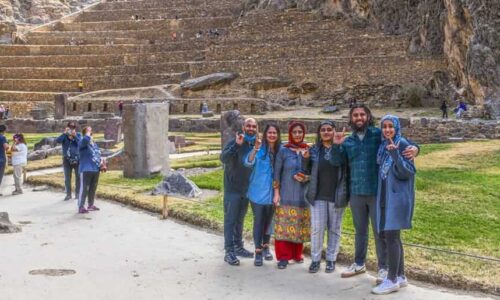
[[292, 220]]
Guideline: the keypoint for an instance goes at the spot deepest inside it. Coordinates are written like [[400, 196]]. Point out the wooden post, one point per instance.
[[164, 211]]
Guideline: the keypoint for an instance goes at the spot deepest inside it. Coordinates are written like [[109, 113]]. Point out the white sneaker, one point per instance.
[[354, 269], [402, 281], [386, 287], [381, 275]]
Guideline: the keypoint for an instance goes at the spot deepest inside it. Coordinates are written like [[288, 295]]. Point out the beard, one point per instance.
[[356, 128]]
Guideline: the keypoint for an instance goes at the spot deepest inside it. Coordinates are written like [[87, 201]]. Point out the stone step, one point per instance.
[[155, 13], [157, 24], [142, 35], [165, 4], [21, 96], [90, 40], [19, 50], [352, 47], [90, 84], [99, 60], [77, 73]]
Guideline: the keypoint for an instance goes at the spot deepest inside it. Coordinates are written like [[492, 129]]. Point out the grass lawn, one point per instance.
[[457, 208], [205, 161]]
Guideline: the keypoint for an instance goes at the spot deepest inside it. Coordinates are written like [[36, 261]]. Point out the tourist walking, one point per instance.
[[327, 196], [460, 109], [2, 111], [359, 150], [120, 108], [236, 180], [444, 109], [395, 201], [260, 190], [89, 168], [71, 158], [19, 160], [292, 220], [4, 145]]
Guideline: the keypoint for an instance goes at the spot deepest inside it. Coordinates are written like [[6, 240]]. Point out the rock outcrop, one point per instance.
[[466, 32]]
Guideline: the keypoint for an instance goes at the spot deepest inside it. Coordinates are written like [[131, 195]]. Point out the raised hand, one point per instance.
[[306, 153], [258, 141], [338, 137], [392, 146], [239, 138]]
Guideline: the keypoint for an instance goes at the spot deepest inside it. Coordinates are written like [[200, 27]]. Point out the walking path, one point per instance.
[[123, 253]]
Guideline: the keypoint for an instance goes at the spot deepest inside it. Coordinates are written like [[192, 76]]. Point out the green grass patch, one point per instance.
[[210, 180]]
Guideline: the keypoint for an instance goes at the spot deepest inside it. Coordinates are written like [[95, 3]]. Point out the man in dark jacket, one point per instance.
[[359, 151], [236, 179], [69, 140]]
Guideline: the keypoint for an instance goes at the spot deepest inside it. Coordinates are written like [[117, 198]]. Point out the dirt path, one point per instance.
[[122, 253]]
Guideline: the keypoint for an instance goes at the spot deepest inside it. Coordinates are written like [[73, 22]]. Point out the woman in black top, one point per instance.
[[326, 194]]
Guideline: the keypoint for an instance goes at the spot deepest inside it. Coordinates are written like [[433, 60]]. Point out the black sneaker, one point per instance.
[[314, 267], [267, 253], [330, 266], [242, 252], [231, 259], [282, 264], [258, 262], [67, 198]]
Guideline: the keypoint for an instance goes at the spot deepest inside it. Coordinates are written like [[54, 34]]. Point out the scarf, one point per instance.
[[250, 138], [384, 158], [291, 144]]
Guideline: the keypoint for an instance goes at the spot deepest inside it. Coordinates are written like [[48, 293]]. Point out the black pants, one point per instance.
[[88, 187], [262, 219], [68, 170], [235, 209], [395, 253], [445, 114], [2, 170]]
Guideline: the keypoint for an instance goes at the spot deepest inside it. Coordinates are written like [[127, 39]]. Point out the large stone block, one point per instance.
[[145, 128], [60, 106], [230, 123]]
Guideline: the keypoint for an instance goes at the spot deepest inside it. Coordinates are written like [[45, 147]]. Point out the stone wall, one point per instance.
[[50, 125]]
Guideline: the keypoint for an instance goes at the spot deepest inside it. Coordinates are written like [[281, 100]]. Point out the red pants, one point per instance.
[[288, 250]]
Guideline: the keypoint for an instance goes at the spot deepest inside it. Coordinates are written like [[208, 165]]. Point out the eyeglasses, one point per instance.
[[326, 129]]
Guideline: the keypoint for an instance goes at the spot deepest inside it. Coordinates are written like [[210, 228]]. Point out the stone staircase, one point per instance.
[[127, 44]]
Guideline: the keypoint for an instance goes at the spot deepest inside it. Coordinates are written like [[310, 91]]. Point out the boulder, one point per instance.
[[267, 83], [37, 155], [308, 87], [207, 114], [230, 123], [330, 109], [208, 81], [177, 184], [6, 226], [46, 141]]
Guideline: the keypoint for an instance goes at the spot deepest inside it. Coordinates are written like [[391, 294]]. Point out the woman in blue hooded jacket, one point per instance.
[[260, 189], [395, 200], [89, 168]]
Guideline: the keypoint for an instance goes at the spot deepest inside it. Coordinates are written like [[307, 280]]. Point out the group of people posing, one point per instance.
[[298, 192], [82, 156]]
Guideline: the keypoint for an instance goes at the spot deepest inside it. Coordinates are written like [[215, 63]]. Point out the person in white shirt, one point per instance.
[[19, 161]]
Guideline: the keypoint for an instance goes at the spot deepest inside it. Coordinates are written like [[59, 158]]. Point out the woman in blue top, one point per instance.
[[89, 168], [260, 190], [395, 201]]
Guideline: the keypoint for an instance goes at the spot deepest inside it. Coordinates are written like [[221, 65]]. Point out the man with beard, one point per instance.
[[236, 180], [359, 151]]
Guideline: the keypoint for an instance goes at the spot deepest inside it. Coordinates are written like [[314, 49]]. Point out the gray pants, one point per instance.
[[18, 176], [364, 209], [324, 216]]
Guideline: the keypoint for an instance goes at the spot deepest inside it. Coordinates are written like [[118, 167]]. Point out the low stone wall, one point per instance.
[[424, 130], [50, 125]]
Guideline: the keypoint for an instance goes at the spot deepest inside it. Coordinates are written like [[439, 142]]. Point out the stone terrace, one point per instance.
[[107, 48]]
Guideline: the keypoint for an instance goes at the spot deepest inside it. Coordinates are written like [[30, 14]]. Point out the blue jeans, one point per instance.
[[68, 169], [235, 209], [262, 219], [363, 210]]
